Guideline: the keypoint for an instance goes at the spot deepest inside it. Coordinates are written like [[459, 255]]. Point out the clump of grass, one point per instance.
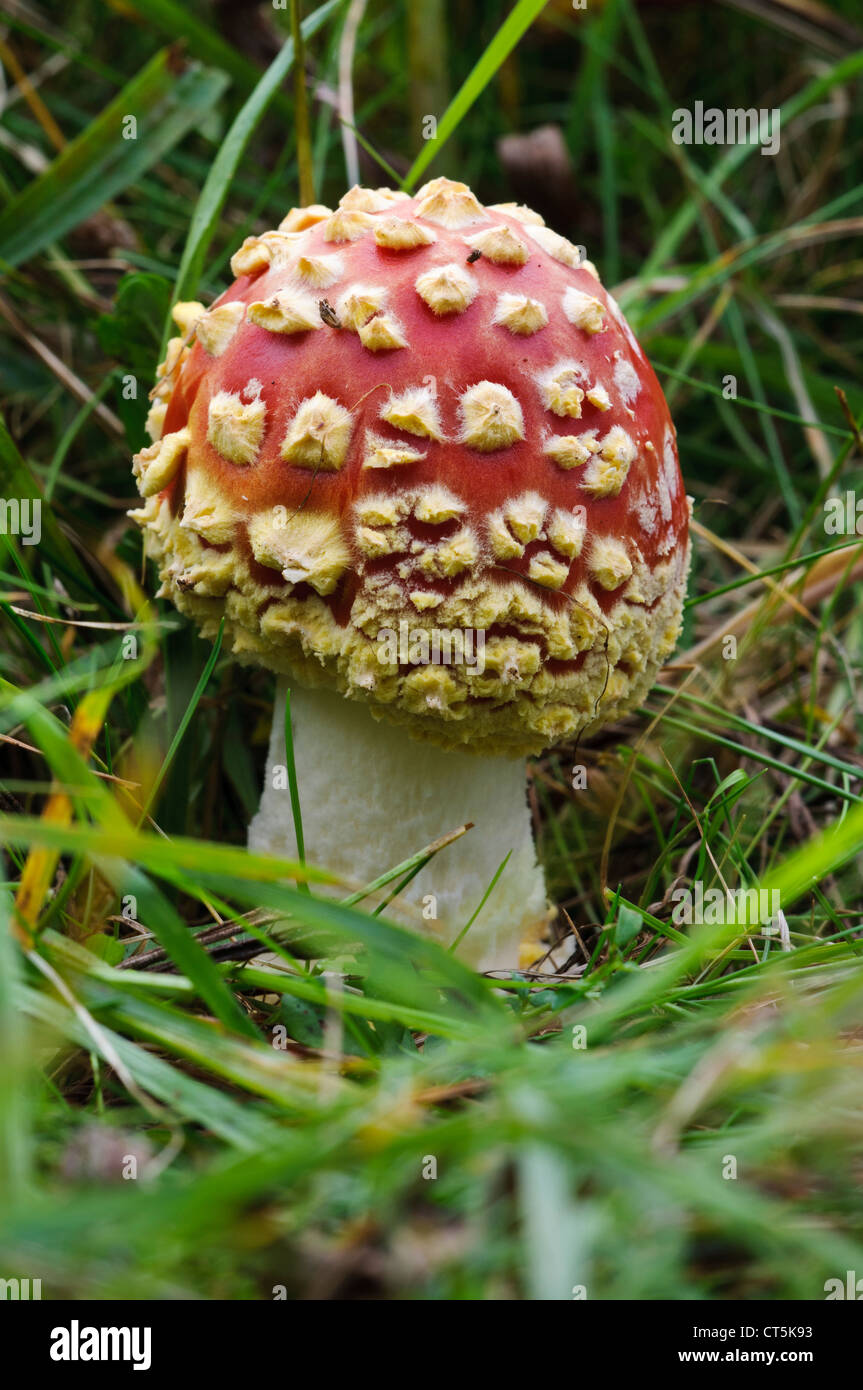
[[673, 1111]]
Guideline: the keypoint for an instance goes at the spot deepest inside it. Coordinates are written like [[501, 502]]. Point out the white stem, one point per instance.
[[371, 797]]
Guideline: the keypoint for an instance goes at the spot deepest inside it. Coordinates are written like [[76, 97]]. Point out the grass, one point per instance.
[[675, 1113]]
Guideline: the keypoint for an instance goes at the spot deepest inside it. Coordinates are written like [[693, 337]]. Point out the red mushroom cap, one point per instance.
[[375, 427]]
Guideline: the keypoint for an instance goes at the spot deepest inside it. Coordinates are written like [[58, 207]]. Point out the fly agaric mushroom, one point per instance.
[[375, 436]]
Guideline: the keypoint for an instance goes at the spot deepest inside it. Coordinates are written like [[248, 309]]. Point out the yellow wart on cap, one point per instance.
[[383, 453], [451, 556], [525, 515], [520, 211], [599, 397], [381, 509], [359, 199], [584, 310], [373, 543], [448, 203], [546, 571], [206, 512], [253, 256], [360, 303], [560, 391], [415, 411], [287, 311], [492, 417], [319, 272], [156, 466], [217, 327], [235, 428], [571, 450], [447, 289], [503, 543], [383, 333], [319, 435], [556, 246], [435, 504], [566, 531], [609, 561], [608, 469], [520, 314], [400, 234], [500, 245], [176, 354], [423, 599], [300, 219], [309, 549], [345, 225], [186, 313]]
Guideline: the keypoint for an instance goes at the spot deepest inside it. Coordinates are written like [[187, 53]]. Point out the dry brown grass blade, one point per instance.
[[74, 385], [807, 20], [31, 96], [820, 581], [40, 865], [31, 748], [826, 302], [732, 552], [625, 781]]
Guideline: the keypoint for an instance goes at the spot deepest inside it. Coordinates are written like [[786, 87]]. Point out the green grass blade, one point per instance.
[[670, 238], [504, 41], [14, 1043], [223, 1115], [100, 163], [789, 415], [296, 811], [205, 218], [70, 768], [16, 480], [203, 40], [482, 902], [185, 721]]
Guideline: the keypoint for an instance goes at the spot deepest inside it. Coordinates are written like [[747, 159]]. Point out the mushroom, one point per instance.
[[439, 493]]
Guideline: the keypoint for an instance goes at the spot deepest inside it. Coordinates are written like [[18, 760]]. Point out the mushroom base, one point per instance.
[[371, 796]]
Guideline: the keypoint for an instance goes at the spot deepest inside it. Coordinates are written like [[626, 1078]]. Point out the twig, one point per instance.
[[32, 97], [64, 374], [847, 412]]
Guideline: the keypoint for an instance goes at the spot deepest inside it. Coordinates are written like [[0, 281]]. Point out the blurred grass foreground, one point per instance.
[[674, 1111]]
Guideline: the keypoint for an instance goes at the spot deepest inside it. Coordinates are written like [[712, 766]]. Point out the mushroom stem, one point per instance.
[[371, 796]]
